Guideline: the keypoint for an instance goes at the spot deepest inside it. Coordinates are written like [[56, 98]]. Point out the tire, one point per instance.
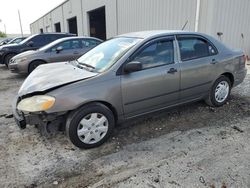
[[216, 100], [89, 133], [33, 65], [8, 58]]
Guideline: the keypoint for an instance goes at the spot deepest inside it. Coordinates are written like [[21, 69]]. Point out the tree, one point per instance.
[[2, 34]]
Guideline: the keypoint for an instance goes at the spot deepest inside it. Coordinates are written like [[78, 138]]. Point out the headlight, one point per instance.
[[20, 60], [36, 103], [4, 49]]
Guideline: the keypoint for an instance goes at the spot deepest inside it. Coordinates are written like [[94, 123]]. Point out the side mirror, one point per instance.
[[30, 43], [132, 67], [58, 49]]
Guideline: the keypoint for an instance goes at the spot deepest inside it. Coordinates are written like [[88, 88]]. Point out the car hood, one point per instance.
[[25, 54], [9, 46], [50, 76]]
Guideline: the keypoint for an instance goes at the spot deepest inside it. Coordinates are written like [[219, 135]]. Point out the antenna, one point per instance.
[[184, 25]]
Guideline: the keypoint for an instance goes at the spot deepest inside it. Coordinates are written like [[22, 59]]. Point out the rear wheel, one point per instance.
[[8, 58], [90, 126], [220, 92], [33, 65]]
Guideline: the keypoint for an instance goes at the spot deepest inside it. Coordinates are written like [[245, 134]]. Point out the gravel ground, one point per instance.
[[189, 146]]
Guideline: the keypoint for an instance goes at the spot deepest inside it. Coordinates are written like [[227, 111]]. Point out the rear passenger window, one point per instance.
[[193, 48], [52, 38], [156, 54]]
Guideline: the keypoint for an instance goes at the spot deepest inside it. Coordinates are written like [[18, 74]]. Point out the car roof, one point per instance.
[[152, 33], [53, 33], [56, 33], [71, 38]]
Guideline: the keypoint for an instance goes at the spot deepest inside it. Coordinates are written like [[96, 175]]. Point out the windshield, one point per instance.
[[50, 45], [106, 54], [27, 39]]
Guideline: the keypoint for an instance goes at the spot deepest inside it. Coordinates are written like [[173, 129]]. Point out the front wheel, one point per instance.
[[33, 65], [8, 58], [219, 92], [90, 126]]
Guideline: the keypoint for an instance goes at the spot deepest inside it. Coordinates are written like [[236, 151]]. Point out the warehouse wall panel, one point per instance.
[[155, 14], [57, 16], [111, 17], [71, 9], [229, 17]]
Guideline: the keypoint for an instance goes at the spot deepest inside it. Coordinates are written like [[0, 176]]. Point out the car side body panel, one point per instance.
[[102, 88]]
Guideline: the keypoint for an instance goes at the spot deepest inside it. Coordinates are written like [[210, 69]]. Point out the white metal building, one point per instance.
[[227, 20]]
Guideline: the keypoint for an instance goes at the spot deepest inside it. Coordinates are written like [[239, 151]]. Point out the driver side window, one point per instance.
[[156, 54], [66, 45]]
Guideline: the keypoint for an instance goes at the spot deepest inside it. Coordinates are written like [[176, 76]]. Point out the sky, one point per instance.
[[30, 10]]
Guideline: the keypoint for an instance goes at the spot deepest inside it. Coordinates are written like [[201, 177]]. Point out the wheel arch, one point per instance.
[[14, 53], [105, 103], [42, 60], [230, 76], [38, 60]]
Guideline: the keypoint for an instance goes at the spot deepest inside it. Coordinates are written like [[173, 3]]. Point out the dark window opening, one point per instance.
[[193, 48], [68, 45], [72, 25], [41, 30], [97, 23], [58, 27], [156, 54], [39, 40], [90, 43]]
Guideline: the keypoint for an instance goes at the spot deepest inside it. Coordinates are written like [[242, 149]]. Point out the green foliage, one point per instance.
[[2, 34]]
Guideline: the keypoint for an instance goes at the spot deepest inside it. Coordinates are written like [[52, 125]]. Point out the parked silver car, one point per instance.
[[127, 76], [64, 49]]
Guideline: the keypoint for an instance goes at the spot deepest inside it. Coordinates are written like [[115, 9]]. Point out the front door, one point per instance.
[[71, 50], [157, 84]]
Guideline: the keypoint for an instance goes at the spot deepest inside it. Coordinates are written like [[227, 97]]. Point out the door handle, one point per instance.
[[76, 52], [213, 61], [172, 71]]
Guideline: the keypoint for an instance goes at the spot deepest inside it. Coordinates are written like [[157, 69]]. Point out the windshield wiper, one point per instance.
[[85, 64]]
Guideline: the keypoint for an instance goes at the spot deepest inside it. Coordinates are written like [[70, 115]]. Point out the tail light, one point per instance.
[[242, 61]]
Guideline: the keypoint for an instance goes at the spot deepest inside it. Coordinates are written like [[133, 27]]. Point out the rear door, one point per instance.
[[197, 59], [157, 84]]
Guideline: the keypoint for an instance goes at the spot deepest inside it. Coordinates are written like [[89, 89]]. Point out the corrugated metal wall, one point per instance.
[[231, 17], [136, 15], [72, 8], [110, 9], [57, 16]]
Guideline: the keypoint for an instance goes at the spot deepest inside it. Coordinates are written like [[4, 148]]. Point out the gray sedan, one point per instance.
[[125, 77], [65, 49]]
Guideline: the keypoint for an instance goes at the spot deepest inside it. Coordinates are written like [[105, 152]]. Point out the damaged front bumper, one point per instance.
[[46, 123]]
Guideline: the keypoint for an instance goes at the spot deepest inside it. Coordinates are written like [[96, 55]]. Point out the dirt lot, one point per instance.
[[190, 146]]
